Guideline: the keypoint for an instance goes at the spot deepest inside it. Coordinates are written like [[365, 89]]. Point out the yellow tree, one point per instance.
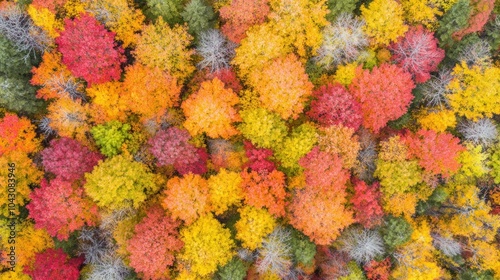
[[384, 21], [211, 110]]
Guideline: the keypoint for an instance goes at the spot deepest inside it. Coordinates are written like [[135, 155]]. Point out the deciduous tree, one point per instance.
[[384, 21], [54, 264], [240, 15], [262, 189], [17, 134]]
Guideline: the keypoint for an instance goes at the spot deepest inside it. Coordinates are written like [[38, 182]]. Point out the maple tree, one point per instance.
[[334, 105], [54, 264], [298, 143], [366, 203], [68, 159], [417, 52], [384, 21], [378, 270], [323, 171], [61, 208], [128, 183], [187, 197], [262, 127], [480, 13], [262, 189], [225, 190], [171, 146], [17, 134], [207, 245], [216, 101], [341, 141], [283, 86], [372, 89], [154, 242], [424, 12], [149, 91], [108, 102], [258, 159], [240, 15], [89, 50], [166, 48]]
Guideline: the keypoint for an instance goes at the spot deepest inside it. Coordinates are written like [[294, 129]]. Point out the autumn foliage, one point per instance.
[[239, 15], [89, 50], [265, 189], [54, 264]]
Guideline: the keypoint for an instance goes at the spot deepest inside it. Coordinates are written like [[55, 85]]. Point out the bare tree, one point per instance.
[[435, 90], [215, 49], [482, 131]]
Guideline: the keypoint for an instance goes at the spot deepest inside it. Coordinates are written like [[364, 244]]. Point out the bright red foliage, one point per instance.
[[265, 190], [384, 94], [241, 15], [61, 208], [258, 159], [228, 77], [436, 152], [68, 159], [366, 202], [333, 105], [197, 167], [155, 241], [323, 171], [418, 53], [52, 5], [378, 270], [89, 50], [54, 264]]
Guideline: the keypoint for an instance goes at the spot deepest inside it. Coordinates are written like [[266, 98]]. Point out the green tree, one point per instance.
[[110, 137], [169, 10], [453, 20], [16, 94], [199, 16]]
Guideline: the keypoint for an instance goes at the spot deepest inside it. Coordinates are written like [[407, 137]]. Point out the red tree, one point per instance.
[[68, 159], [258, 159], [241, 15], [228, 77], [54, 264], [333, 105], [481, 10], [89, 50], [61, 208], [436, 152], [154, 244], [384, 94], [378, 270], [366, 202], [418, 53]]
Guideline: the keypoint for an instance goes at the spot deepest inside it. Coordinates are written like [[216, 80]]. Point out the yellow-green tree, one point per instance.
[[384, 21]]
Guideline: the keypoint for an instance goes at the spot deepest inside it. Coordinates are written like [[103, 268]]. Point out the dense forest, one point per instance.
[[250, 139]]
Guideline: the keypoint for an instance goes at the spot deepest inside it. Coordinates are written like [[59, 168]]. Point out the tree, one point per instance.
[[154, 243], [17, 134], [120, 17], [69, 118], [68, 159], [275, 254], [46, 20], [283, 86], [299, 23], [340, 141], [199, 16], [479, 15], [127, 183], [12, 61], [263, 128], [453, 20], [483, 131], [437, 153], [89, 50], [187, 198], [61, 208], [110, 137], [258, 159], [422, 12], [337, 8], [296, 145], [149, 91], [254, 224], [320, 215], [417, 53], [240, 15], [235, 269], [171, 146], [54, 264], [26, 173], [265, 190], [225, 191], [334, 105], [343, 41], [17, 95], [168, 11], [396, 232], [207, 245], [216, 51], [373, 90], [166, 48], [211, 110], [378, 270], [108, 102], [51, 5], [384, 21], [323, 171], [366, 203], [362, 245], [475, 91]]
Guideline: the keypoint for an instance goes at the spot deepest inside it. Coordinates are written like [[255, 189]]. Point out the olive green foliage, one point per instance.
[[169, 10], [337, 7], [495, 164], [111, 136], [233, 270], [302, 249], [199, 15], [355, 272], [396, 231], [453, 20], [263, 128], [469, 274], [438, 196], [12, 61], [17, 95]]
